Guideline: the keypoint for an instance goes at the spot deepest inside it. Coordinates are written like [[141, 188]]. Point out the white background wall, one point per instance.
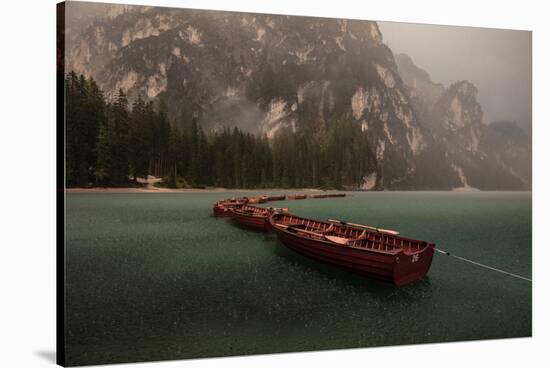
[[27, 188]]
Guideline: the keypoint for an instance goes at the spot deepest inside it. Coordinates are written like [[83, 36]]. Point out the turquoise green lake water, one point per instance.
[[155, 276]]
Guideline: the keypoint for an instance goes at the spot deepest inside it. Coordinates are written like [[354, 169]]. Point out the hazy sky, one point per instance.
[[497, 62]]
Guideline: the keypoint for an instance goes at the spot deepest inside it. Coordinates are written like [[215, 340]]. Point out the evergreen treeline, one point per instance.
[[113, 143]]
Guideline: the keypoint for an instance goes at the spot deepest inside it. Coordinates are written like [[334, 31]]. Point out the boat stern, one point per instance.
[[409, 267]]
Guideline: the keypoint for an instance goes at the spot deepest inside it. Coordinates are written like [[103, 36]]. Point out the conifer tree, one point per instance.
[[103, 167], [139, 141], [119, 127]]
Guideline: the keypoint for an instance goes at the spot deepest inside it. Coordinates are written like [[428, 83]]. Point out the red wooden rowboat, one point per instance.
[[336, 195], [374, 253], [297, 196], [223, 208], [328, 195], [256, 218], [276, 198], [256, 200]]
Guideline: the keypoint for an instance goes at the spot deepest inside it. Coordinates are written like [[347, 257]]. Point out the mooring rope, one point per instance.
[[482, 265]]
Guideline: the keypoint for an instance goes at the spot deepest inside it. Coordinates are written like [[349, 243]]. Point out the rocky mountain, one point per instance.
[[424, 93], [269, 74], [497, 156]]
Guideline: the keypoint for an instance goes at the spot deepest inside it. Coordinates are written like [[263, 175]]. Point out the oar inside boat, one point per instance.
[[335, 239], [380, 230]]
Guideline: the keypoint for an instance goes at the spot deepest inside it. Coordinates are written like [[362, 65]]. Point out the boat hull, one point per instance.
[[259, 223], [400, 268], [224, 208], [221, 211], [297, 197]]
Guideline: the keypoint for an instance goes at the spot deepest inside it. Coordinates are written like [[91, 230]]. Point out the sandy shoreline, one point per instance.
[[169, 190]]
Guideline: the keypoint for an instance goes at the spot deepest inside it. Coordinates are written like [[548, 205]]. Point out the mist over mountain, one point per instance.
[[269, 74], [497, 61], [494, 156]]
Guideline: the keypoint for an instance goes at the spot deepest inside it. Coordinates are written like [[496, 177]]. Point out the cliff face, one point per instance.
[[424, 93], [267, 74], [457, 126]]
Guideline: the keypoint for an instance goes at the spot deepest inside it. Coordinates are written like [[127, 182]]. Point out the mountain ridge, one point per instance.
[[268, 74]]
